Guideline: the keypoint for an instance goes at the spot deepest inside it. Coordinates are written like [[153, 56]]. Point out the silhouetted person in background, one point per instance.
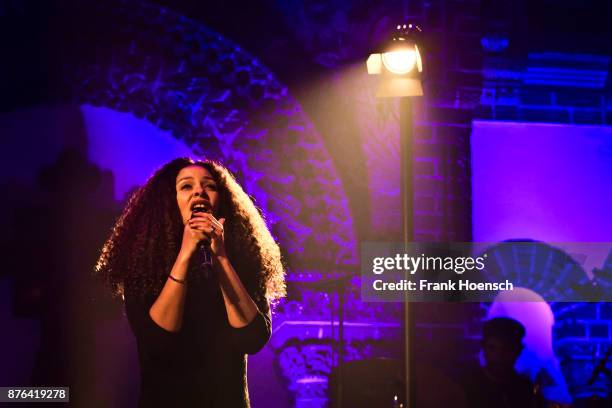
[[56, 242], [497, 384]]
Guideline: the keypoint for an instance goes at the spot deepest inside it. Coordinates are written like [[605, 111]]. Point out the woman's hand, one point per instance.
[[191, 239], [210, 229]]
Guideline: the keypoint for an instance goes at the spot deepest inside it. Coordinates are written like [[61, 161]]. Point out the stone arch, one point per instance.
[[222, 103]]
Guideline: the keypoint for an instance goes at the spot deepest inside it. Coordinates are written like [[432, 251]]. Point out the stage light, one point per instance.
[[400, 68], [399, 64]]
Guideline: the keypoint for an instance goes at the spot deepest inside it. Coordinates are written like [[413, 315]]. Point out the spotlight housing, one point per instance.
[[399, 63]]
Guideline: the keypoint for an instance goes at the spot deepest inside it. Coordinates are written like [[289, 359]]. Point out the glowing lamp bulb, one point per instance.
[[400, 61]]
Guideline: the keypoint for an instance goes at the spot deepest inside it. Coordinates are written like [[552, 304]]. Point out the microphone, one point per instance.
[[203, 247]]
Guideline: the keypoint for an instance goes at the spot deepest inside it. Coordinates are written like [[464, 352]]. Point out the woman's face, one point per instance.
[[195, 187]]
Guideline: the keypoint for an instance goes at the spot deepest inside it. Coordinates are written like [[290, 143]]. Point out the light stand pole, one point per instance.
[[406, 163], [400, 67], [407, 193]]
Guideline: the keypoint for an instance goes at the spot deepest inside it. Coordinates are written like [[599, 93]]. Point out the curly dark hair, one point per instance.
[[146, 238]]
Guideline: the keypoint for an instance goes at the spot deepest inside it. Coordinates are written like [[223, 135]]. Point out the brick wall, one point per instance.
[[582, 336], [446, 334]]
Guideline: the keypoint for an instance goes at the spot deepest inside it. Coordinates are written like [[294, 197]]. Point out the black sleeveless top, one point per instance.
[[202, 365]]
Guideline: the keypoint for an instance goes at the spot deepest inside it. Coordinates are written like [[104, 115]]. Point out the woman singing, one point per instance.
[[197, 267]]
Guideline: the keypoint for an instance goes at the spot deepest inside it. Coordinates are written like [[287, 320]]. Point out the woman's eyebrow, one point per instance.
[[191, 177], [183, 178]]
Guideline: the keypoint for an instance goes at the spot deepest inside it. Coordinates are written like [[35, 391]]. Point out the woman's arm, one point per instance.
[[250, 322], [167, 310], [240, 307], [241, 310]]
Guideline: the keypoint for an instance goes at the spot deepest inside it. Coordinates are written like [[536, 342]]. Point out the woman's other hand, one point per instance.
[[211, 230]]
